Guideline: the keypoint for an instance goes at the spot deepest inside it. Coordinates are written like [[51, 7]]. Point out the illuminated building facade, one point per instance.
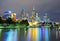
[[7, 14], [13, 16]]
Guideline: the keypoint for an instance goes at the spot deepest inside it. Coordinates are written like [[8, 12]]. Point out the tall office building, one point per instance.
[[37, 18], [46, 18], [28, 17], [23, 15], [33, 14]]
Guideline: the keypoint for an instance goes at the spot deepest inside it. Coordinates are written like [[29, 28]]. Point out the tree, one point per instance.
[[24, 22], [9, 21], [0, 20]]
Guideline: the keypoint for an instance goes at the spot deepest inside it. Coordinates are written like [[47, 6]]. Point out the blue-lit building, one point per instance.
[[7, 14]]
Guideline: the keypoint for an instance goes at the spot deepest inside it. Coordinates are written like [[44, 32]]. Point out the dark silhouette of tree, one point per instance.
[[9, 21], [0, 20], [51, 27], [24, 22]]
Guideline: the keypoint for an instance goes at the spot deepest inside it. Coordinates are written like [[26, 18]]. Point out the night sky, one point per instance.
[[51, 7]]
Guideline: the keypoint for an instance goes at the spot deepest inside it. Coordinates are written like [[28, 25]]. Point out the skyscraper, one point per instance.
[[28, 17], [46, 18], [33, 14], [23, 15], [37, 18]]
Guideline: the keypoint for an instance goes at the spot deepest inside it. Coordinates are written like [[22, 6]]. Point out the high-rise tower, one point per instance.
[[28, 17], [46, 18], [33, 14], [23, 15], [37, 18]]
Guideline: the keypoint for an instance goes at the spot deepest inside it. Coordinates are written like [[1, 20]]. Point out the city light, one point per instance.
[[10, 12], [29, 20]]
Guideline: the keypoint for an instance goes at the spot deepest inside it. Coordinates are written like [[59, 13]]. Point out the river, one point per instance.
[[32, 34]]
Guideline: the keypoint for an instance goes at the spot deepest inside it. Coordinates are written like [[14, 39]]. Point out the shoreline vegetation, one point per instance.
[[9, 21], [24, 24]]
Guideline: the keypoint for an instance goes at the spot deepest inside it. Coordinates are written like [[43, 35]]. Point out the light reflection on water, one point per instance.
[[32, 34], [46, 34], [39, 34], [28, 35], [10, 35]]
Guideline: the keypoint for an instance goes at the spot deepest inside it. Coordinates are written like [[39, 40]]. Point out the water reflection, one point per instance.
[[10, 35], [39, 34], [32, 34], [28, 35], [46, 34]]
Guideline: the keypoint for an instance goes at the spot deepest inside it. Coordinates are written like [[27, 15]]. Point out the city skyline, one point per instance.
[[51, 7]]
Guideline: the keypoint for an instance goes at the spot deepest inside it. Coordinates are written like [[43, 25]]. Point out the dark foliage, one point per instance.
[[1, 20], [9, 21], [24, 22]]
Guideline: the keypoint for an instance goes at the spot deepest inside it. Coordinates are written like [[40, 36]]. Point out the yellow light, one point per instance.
[[33, 34], [33, 23], [13, 15]]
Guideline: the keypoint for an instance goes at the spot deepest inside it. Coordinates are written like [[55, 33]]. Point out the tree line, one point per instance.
[[9, 21]]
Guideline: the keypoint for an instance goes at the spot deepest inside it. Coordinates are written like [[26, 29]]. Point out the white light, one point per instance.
[[33, 8], [57, 22], [14, 13], [9, 11]]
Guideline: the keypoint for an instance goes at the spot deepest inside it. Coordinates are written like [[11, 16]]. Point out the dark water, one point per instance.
[[32, 34]]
